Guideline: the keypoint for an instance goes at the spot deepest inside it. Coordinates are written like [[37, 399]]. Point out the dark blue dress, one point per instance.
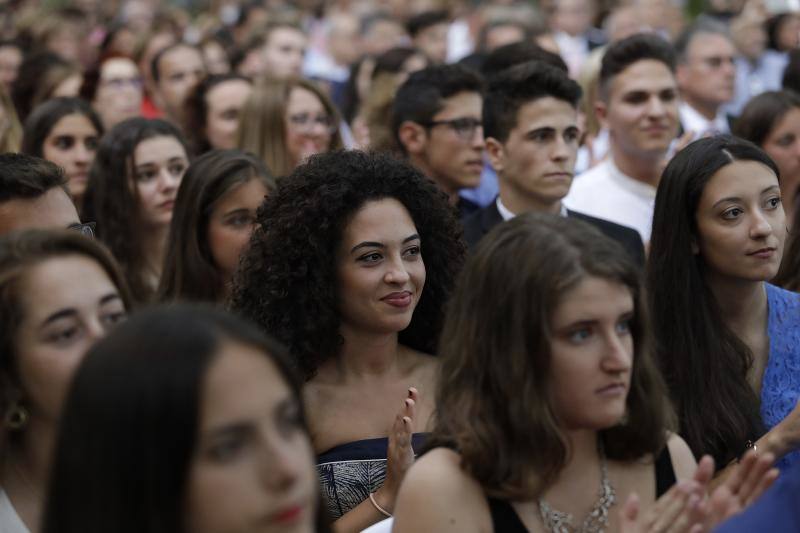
[[349, 472]]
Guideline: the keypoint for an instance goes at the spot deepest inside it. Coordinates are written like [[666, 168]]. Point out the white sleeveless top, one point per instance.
[[10, 521]]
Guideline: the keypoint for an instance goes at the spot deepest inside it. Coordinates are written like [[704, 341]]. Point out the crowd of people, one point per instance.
[[416, 266]]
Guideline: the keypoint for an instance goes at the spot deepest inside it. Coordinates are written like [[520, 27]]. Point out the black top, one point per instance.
[[481, 222], [505, 519]]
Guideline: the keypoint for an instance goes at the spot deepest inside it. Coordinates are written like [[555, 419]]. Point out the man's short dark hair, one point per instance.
[[422, 94], [626, 52], [27, 177], [519, 85], [703, 25], [425, 20], [509, 55], [164, 51]]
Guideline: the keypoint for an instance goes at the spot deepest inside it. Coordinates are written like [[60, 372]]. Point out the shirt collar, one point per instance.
[[508, 215]]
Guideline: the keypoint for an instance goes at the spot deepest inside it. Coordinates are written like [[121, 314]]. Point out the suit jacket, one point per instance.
[[480, 223]]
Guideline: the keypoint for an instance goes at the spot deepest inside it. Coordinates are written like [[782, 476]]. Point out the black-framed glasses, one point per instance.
[[86, 228], [305, 122], [464, 127]]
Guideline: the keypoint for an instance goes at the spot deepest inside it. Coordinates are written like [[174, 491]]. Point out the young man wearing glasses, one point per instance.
[[530, 117], [33, 195], [436, 120]]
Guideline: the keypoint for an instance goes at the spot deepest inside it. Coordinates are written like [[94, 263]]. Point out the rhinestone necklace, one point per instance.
[[596, 521]]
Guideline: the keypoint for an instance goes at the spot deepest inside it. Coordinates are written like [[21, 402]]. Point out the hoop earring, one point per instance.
[[16, 417]]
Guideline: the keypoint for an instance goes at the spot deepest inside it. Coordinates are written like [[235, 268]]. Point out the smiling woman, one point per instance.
[[131, 196], [350, 265]]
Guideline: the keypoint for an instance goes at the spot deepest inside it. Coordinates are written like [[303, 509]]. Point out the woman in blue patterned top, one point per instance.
[[727, 340]]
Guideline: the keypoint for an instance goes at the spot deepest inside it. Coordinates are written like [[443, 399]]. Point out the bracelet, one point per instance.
[[750, 445], [378, 507]]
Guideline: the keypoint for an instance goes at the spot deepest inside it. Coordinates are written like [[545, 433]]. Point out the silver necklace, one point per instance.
[[596, 521]]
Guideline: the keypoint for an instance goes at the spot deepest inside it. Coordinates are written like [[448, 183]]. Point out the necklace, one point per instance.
[[596, 521]]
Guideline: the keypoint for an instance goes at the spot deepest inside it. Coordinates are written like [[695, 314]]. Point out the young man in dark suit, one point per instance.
[[530, 119]]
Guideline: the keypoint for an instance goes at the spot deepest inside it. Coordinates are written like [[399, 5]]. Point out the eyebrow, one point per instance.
[[372, 244], [737, 199], [155, 163], [58, 315], [236, 211]]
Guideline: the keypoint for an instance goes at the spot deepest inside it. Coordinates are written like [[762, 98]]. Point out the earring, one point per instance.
[[16, 417]]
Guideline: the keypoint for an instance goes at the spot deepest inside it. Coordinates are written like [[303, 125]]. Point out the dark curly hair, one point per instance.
[[287, 279]]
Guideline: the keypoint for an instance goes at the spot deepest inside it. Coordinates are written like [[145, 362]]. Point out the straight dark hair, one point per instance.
[[189, 271], [111, 199], [704, 363], [494, 403], [45, 116], [134, 409]]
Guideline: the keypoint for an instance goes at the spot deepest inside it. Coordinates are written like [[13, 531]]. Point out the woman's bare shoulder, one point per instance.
[[438, 495]]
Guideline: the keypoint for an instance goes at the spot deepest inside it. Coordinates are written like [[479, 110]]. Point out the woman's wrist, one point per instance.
[[384, 498], [775, 442]]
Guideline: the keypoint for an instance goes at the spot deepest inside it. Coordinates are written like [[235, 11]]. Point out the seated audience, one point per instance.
[[65, 131], [550, 408], [546, 349], [530, 118], [215, 213], [205, 405], [131, 195], [285, 122], [726, 339], [350, 266], [59, 293], [33, 194]]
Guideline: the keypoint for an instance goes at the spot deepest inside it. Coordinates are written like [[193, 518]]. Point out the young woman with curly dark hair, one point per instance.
[[336, 270], [131, 194]]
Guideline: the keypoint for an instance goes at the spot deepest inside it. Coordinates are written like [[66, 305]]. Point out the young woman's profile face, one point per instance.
[[309, 126], [67, 304], [72, 144], [231, 223], [381, 272], [159, 165], [252, 469], [741, 226], [783, 146], [592, 354]]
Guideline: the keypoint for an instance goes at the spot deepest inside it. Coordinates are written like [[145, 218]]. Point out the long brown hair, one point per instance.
[[494, 403], [262, 128]]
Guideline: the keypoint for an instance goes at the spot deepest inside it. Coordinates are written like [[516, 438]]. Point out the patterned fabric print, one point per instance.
[[348, 483], [349, 472], [780, 388]]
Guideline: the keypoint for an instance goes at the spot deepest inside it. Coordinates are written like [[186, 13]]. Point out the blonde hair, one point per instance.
[[262, 128]]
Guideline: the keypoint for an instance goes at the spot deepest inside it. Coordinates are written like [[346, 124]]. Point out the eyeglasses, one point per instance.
[[305, 122], [464, 127], [120, 83], [86, 229]]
